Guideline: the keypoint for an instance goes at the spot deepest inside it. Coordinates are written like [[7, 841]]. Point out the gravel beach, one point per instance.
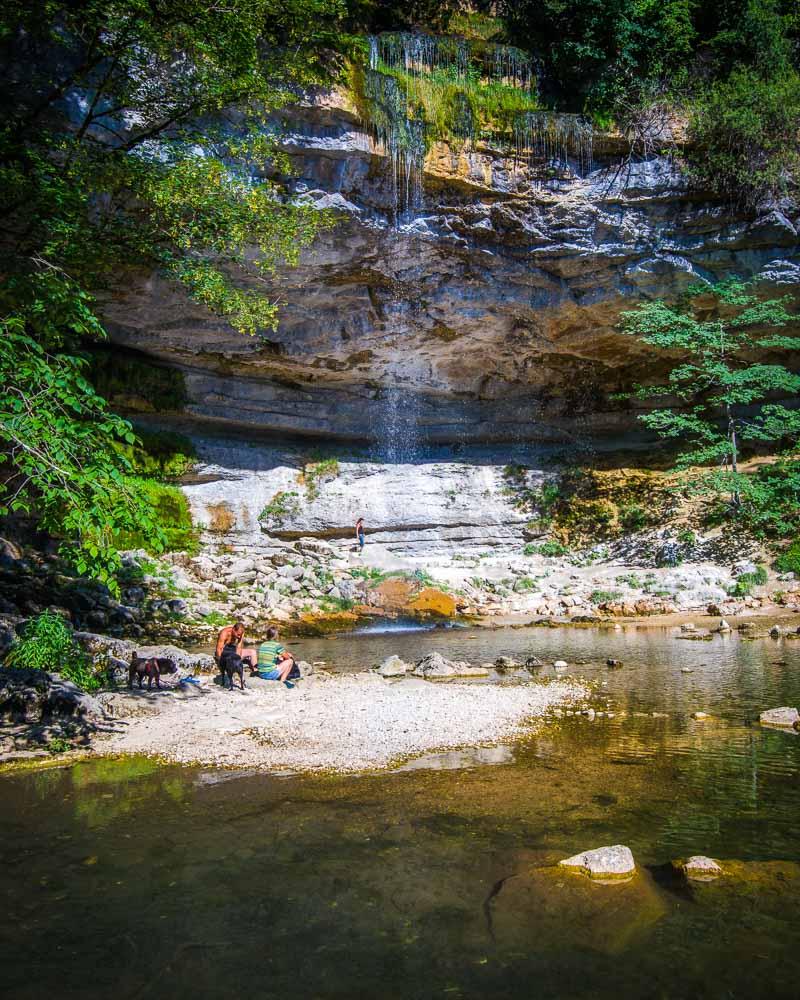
[[340, 723]]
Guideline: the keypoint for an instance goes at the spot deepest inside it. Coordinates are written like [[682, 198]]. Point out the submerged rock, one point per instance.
[[604, 863], [505, 663], [699, 868], [783, 718], [543, 912]]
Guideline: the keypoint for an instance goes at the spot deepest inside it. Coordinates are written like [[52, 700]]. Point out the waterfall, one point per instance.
[[399, 136], [420, 86], [561, 140], [398, 427], [513, 67]]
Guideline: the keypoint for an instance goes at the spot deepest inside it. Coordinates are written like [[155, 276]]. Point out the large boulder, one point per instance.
[[34, 696], [603, 863]]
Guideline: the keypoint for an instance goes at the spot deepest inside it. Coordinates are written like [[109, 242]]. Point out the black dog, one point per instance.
[[149, 667], [231, 663]]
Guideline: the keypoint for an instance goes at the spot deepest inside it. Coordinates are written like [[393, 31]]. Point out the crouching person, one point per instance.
[[275, 662]]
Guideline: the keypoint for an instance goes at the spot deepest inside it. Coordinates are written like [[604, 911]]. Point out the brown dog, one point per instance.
[[152, 667]]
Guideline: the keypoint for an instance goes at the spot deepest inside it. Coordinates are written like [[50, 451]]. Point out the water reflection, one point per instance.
[[131, 879]]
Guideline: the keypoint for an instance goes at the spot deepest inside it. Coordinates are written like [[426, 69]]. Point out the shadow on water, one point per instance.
[[134, 879]]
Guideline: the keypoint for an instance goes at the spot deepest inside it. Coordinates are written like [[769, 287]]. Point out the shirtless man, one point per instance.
[[233, 635]]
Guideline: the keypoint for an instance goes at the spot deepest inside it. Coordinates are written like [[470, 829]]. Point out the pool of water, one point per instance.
[[134, 879]]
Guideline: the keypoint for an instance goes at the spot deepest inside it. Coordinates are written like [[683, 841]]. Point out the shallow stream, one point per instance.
[[131, 879]]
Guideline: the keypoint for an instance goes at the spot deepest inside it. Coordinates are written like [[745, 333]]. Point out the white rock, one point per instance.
[[605, 863], [291, 572], [699, 868], [240, 566], [699, 716], [560, 664], [393, 666], [785, 718]]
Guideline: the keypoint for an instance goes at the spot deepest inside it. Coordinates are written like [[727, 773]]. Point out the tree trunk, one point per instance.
[[735, 497]]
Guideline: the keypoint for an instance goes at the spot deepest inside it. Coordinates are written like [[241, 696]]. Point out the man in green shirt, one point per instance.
[[275, 662]]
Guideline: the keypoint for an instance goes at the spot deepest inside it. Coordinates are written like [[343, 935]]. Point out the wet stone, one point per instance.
[[603, 863], [699, 868], [784, 718]]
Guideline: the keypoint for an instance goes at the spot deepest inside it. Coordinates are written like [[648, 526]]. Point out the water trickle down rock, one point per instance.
[[565, 142], [406, 67]]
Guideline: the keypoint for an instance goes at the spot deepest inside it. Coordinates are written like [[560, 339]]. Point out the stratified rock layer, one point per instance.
[[489, 314]]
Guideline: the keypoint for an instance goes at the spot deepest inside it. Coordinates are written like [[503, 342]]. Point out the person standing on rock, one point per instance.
[[360, 534], [233, 635]]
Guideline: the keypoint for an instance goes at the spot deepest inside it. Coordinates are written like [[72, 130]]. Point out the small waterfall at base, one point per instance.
[[397, 424]]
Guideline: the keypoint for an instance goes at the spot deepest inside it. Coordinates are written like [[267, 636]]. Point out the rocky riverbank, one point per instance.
[[339, 723], [348, 722]]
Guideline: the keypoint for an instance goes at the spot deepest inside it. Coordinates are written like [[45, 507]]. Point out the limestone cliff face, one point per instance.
[[488, 314]]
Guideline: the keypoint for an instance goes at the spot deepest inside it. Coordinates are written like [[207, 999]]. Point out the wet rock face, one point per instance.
[[487, 315]]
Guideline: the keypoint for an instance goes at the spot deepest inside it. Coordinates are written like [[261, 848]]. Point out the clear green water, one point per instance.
[[129, 879]]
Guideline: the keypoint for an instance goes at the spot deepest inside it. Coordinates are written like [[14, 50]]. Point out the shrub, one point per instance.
[[746, 581], [526, 583], [47, 644], [634, 518], [284, 504], [604, 596], [552, 548], [317, 473], [744, 134], [369, 573], [631, 579], [789, 560], [216, 618], [338, 603]]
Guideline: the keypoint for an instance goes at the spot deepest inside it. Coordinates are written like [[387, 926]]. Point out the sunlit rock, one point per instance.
[[604, 863], [783, 718], [393, 666], [699, 868]]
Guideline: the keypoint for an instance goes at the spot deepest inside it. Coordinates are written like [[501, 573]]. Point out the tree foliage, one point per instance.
[[58, 436], [731, 67], [726, 392], [136, 135]]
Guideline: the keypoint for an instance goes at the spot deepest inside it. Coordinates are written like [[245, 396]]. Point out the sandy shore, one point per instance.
[[341, 723]]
